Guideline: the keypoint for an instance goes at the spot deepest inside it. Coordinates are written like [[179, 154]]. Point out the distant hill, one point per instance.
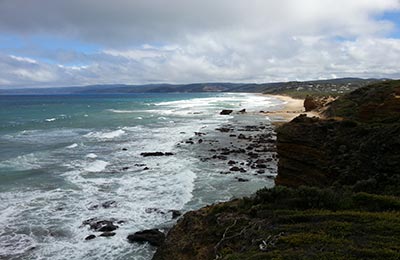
[[294, 88]]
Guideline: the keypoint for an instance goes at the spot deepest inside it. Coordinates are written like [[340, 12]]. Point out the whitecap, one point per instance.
[[50, 119], [118, 111], [91, 156], [22, 162], [96, 166], [106, 135], [74, 145]]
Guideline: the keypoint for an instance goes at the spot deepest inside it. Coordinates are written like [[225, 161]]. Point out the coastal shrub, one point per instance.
[[373, 202], [301, 198], [368, 185]]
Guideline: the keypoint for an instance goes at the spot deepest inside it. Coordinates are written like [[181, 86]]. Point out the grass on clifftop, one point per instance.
[[310, 223], [286, 223]]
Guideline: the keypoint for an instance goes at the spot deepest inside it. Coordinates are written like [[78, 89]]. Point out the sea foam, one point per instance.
[[106, 135]]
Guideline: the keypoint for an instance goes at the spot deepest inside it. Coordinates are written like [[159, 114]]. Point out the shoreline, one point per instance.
[[291, 108]]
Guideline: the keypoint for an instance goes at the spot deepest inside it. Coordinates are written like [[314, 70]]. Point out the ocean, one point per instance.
[[67, 159]]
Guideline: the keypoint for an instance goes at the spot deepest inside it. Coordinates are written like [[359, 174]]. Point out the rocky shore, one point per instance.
[[337, 193]]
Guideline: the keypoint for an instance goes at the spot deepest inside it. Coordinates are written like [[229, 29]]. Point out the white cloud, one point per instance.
[[23, 59], [182, 41]]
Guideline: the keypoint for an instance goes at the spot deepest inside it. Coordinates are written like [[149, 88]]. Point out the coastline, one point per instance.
[[328, 206], [291, 108]]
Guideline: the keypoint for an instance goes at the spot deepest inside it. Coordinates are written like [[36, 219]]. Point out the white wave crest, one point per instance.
[[96, 166], [106, 135], [74, 145], [122, 111]]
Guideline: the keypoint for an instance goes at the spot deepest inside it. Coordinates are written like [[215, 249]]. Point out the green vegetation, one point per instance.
[[377, 103], [286, 223]]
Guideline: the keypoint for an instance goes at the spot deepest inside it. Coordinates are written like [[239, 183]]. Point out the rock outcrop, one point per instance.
[[226, 112], [153, 236], [318, 104], [355, 148]]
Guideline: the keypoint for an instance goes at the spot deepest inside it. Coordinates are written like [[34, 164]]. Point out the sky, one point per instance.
[[52, 43]]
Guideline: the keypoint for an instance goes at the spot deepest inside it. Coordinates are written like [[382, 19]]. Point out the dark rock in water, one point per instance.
[[235, 169], [189, 142], [125, 168], [231, 162], [93, 207], [224, 129], [100, 225], [175, 213], [156, 154], [154, 210], [253, 155], [107, 234], [153, 236], [146, 168], [221, 157], [108, 227], [200, 141], [260, 171], [89, 221], [226, 112], [199, 133], [140, 164], [124, 149], [242, 111], [109, 204], [241, 180], [242, 136], [261, 166], [90, 237]]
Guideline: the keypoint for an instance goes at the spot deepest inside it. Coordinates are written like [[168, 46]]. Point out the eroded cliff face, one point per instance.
[[356, 146], [337, 193]]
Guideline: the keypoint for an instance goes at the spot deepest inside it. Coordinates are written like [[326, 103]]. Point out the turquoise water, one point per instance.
[[63, 155]]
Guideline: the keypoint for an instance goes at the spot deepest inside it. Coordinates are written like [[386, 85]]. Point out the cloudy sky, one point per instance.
[[80, 42]]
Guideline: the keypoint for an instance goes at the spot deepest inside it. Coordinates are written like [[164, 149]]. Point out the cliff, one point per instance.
[[337, 193], [356, 148]]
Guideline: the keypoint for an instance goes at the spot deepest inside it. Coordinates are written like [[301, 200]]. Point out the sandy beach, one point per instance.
[[292, 108]]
